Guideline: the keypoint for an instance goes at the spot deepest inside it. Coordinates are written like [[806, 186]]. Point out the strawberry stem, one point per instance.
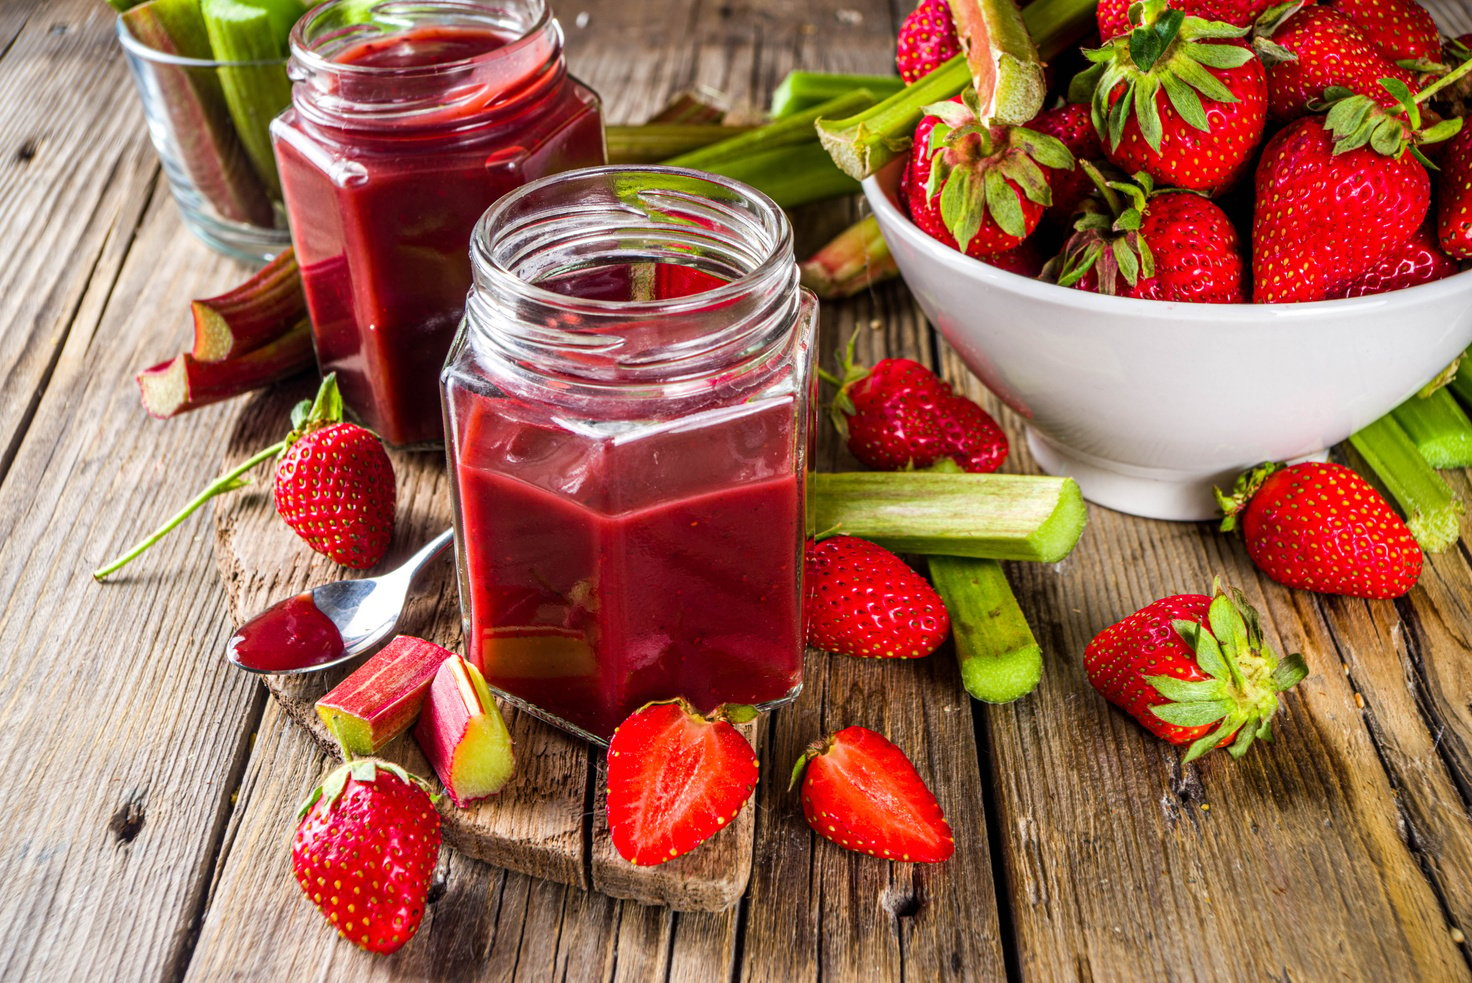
[[1444, 81]]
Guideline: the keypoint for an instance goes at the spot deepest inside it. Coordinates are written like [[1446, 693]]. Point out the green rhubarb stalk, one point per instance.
[[1461, 383], [792, 131], [253, 31], [803, 90], [1432, 511], [1004, 62], [200, 122], [790, 176], [858, 257], [866, 141], [690, 108], [989, 516], [1439, 428], [655, 142], [1000, 659]]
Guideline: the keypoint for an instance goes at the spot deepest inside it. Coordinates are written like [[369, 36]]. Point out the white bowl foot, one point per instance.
[[1155, 493]]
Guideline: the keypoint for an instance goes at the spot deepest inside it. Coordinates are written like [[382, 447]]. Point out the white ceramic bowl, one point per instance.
[[1149, 404]]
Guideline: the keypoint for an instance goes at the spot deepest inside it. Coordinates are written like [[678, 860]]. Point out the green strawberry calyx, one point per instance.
[[362, 770], [815, 749], [850, 374], [1233, 504], [311, 414], [1357, 121], [1246, 677], [1167, 51], [973, 167]]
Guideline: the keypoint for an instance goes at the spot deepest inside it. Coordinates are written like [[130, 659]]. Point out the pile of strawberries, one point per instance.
[[1213, 151]]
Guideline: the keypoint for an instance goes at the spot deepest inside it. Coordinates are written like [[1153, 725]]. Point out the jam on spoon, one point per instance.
[[291, 635]]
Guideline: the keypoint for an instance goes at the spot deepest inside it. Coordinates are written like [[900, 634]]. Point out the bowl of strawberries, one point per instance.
[[1230, 243]]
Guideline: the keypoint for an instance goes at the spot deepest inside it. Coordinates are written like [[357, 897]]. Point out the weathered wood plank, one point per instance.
[[1127, 865]]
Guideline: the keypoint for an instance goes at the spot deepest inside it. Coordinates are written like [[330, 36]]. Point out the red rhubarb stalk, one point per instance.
[[259, 311], [185, 383], [858, 257], [383, 696]]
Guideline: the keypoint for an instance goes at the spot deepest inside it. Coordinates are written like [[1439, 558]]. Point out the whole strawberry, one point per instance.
[[1454, 197], [1315, 49], [900, 416], [1073, 125], [1416, 261], [676, 778], [861, 599], [1114, 15], [927, 38], [366, 844], [1194, 670], [1179, 98], [334, 486], [861, 792], [1403, 30], [1134, 241], [1321, 527], [980, 189], [1336, 195]]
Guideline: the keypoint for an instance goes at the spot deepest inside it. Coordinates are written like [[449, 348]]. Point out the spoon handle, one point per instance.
[[428, 552]]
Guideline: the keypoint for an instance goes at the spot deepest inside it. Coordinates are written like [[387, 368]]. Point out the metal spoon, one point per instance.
[[365, 611]]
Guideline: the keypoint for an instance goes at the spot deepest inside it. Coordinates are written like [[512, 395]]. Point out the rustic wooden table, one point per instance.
[[148, 787]]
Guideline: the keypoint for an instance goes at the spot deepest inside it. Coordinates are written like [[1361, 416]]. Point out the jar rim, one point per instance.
[[311, 59], [778, 253]]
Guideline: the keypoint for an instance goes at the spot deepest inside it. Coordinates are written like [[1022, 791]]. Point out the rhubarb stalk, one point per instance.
[[1439, 428], [866, 141], [185, 383], [1432, 511], [858, 257], [259, 311], [382, 698], [790, 176], [252, 34], [793, 130], [803, 90], [1000, 660], [656, 142]]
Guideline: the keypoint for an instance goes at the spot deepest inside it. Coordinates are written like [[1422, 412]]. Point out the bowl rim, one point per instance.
[[881, 188]]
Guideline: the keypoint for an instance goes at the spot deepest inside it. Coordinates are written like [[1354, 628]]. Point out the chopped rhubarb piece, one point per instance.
[[462, 734], [185, 383], [383, 696], [254, 314]]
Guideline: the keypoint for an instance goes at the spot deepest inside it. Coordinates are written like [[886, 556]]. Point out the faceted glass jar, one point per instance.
[[409, 118], [627, 410]]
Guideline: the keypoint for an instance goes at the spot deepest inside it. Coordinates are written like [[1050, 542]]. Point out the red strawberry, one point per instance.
[[1403, 30], [1454, 197], [1330, 206], [1193, 670], [863, 600], [1315, 49], [676, 778], [982, 187], [365, 849], [927, 37], [861, 792], [899, 415], [1073, 124], [1321, 527], [1167, 245], [1416, 261], [1179, 98], [1114, 15], [334, 486]]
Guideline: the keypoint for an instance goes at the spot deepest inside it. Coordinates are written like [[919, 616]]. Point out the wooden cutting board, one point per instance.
[[549, 821]]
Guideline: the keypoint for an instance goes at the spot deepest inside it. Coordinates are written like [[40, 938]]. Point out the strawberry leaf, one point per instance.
[[1230, 631], [1006, 210], [1208, 652], [1244, 741], [1147, 114], [1218, 55], [1290, 672], [1128, 263], [1186, 102], [961, 206], [1202, 81], [1197, 714], [1211, 740], [1187, 690]]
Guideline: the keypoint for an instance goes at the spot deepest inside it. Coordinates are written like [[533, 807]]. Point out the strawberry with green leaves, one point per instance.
[[1194, 670], [978, 188], [334, 486], [900, 416], [1179, 98], [1454, 197], [860, 791], [927, 37], [364, 852], [1135, 241], [1113, 16], [1309, 50], [862, 600], [1321, 527], [1338, 194], [676, 778]]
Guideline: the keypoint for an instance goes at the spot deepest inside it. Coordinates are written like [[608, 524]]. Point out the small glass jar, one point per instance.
[[627, 410], [408, 118]]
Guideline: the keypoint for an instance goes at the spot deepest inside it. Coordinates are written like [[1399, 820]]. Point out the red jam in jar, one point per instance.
[[407, 120], [628, 413]]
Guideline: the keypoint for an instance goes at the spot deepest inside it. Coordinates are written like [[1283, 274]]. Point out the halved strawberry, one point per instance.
[[860, 791], [676, 778]]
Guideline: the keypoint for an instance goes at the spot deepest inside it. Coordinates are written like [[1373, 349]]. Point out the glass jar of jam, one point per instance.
[[627, 416], [409, 118]]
